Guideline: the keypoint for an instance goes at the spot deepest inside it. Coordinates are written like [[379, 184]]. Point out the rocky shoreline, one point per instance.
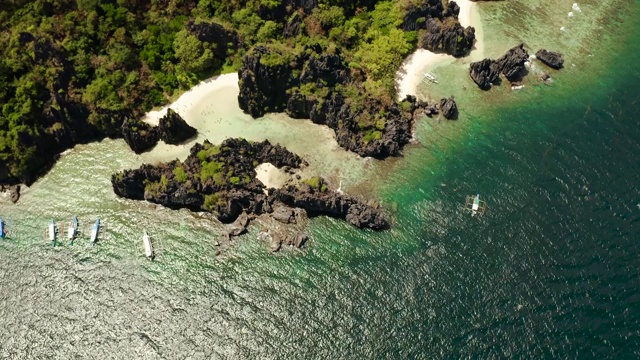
[[363, 124], [172, 129], [221, 179], [512, 66]]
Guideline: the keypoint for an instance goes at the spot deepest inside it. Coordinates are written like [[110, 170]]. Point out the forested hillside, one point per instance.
[[72, 70]]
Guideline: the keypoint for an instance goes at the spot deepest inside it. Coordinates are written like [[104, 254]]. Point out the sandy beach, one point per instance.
[[271, 176], [195, 95], [413, 68]]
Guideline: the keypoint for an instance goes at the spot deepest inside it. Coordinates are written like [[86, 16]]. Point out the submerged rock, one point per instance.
[[550, 58]]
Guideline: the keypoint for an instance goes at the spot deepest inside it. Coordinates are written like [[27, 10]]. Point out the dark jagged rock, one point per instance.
[[451, 39], [364, 215], [172, 128], [550, 58], [511, 64], [293, 26], [416, 16], [139, 135], [484, 73], [264, 82], [443, 31], [221, 179], [487, 72], [449, 109], [14, 193], [283, 214], [317, 200], [301, 239], [239, 226], [268, 85]]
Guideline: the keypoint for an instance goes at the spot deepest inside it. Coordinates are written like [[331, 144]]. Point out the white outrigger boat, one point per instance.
[[94, 231], [430, 77], [51, 231], [72, 231], [148, 248], [474, 205]]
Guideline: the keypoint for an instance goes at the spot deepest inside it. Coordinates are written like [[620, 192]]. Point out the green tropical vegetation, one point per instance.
[[72, 70]]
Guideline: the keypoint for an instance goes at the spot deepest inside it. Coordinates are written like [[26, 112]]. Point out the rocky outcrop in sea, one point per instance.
[[511, 65], [550, 58], [221, 179], [141, 137]]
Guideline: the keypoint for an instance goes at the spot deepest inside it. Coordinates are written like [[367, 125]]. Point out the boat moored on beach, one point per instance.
[[431, 78]]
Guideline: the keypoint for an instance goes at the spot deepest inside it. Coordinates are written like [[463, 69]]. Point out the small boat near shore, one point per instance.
[[72, 231], [95, 230], [430, 78], [148, 247], [475, 206]]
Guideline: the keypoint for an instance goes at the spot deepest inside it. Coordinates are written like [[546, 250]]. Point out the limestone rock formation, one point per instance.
[[485, 73], [139, 135], [449, 109], [172, 129], [550, 58], [221, 179], [267, 84], [512, 65]]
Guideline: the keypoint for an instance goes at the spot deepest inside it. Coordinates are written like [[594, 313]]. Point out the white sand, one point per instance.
[[195, 95], [271, 176], [412, 71]]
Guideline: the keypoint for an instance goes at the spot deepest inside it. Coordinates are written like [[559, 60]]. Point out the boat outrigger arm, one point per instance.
[[475, 206]]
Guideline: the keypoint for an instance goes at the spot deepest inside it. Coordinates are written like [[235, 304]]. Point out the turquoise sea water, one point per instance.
[[551, 270]]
